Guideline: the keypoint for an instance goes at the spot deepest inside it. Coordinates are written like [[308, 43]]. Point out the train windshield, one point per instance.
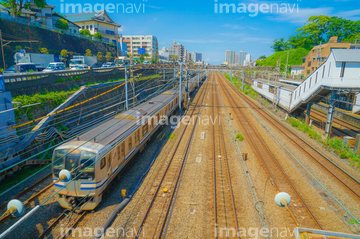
[[73, 160]]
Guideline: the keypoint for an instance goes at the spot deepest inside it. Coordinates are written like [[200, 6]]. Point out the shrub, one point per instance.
[[60, 80], [240, 137], [62, 24], [98, 35], [85, 32]]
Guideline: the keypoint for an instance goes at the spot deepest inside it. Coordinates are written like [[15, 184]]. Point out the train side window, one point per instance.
[[102, 163], [145, 129], [137, 136], [130, 143], [118, 148], [123, 150]]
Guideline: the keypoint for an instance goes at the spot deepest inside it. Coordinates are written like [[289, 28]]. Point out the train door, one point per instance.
[[137, 137]]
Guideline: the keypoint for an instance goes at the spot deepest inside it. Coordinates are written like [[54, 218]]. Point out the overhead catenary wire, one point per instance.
[[162, 86], [52, 147]]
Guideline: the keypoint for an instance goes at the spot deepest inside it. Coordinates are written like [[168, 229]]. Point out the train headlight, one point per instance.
[[64, 175]]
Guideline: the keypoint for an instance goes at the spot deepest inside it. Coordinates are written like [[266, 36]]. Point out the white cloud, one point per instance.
[[302, 15], [238, 27], [202, 41]]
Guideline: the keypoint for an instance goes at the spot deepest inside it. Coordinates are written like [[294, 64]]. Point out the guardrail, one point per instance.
[[19, 77]]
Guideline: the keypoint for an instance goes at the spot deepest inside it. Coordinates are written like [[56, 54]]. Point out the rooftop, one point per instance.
[[346, 55], [99, 16]]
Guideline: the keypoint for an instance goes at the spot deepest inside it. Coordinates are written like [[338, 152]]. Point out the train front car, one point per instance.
[[81, 159]]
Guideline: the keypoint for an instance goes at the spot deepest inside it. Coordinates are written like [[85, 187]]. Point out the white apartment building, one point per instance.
[[97, 22], [230, 57], [134, 42]]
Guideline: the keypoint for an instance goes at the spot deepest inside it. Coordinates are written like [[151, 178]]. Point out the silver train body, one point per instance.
[[95, 162]]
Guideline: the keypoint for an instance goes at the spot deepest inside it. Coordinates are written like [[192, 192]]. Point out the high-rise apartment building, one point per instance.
[[196, 57], [242, 57], [149, 42], [230, 57]]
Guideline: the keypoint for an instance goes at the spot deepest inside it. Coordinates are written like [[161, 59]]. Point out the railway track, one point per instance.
[[340, 127], [156, 216], [225, 214], [63, 225], [28, 194], [339, 174], [298, 209]]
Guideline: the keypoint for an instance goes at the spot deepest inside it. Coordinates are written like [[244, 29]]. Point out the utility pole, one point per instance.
[[180, 73], [126, 89], [2, 50], [287, 61]]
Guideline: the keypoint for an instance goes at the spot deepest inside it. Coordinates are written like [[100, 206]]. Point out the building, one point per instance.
[[43, 16], [164, 55], [184, 56], [97, 22], [237, 59], [230, 57], [296, 70], [242, 56], [4, 10], [188, 57], [196, 57], [177, 50], [247, 60], [318, 55], [149, 42]]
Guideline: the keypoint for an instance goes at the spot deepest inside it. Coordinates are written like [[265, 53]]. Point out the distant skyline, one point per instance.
[[210, 27]]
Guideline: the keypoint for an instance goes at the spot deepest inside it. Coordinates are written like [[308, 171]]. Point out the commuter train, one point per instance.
[[97, 156]]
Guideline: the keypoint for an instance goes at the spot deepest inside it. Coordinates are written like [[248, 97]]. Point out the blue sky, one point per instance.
[[196, 25]]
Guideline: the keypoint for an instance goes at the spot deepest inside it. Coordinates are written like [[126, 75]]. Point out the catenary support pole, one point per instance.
[[126, 89], [308, 111], [330, 115]]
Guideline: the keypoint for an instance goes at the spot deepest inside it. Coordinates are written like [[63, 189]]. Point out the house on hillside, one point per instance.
[[318, 55], [43, 16], [4, 10], [97, 22]]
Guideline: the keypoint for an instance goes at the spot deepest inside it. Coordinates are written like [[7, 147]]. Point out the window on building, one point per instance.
[[87, 27], [308, 72], [323, 71], [91, 27], [314, 59], [309, 63], [329, 69], [312, 69], [83, 27], [342, 72]]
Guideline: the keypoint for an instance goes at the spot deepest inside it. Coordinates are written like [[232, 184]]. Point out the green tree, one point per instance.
[[98, 35], [279, 45], [88, 52], [18, 48], [155, 58], [65, 55], [44, 50], [99, 57], [62, 24], [108, 56], [17, 5], [262, 57], [85, 32], [174, 58]]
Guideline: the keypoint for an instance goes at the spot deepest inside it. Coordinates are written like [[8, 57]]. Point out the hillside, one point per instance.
[[295, 58]]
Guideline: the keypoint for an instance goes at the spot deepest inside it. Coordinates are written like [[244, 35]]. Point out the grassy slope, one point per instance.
[[295, 58]]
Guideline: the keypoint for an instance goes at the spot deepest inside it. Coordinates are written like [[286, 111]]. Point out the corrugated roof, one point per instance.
[[346, 55]]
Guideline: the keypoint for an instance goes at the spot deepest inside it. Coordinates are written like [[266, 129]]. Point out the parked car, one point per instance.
[[55, 66], [97, 65], [80, 67], [109, 64], [20, 68]]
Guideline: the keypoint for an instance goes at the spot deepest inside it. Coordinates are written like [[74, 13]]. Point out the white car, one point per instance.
[[55, 66]]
